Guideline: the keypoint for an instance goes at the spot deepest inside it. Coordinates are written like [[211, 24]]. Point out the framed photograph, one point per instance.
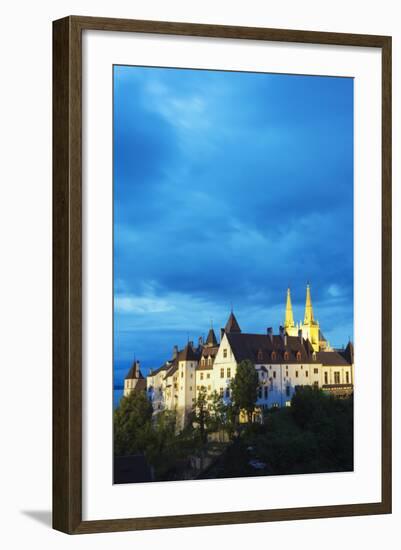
[[221, 274]]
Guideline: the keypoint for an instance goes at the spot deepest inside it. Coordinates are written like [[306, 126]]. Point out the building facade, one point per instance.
[[298, 355]]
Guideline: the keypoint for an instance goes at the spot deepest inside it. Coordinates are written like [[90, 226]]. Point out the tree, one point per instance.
[[222, 415], [161, 445], [201, 415], [132, 424], [244, 387]]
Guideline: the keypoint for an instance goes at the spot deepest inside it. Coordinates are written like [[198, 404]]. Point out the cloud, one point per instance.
[[227, 188], [140, 304]]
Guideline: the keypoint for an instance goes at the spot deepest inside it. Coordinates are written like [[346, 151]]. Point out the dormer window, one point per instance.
[[314, 355], [286, 355], [260, 355], [274, 355], [298, 356]]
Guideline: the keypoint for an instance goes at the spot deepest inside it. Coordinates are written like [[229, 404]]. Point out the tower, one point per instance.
[[187, 361], [232, 324], [289, 325], [134, 379], [310, 327], [211, 339]]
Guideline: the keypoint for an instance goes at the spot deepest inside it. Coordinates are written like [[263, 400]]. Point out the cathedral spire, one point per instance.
[[289, 317], [308, 320]]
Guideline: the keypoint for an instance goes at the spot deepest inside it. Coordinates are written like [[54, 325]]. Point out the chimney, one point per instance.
[[270, 333], [222, 332], [191, 344], [175, 352], [285, 338], [200, 341]]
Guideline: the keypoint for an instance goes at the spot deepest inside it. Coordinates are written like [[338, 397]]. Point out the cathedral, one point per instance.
[[298, 355]]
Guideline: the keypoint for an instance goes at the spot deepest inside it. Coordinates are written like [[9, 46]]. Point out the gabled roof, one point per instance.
[[261, 348], [211, 339], [232, 325], [134, 371], [331, 358], [172, 368], [210, 352], [164, 367]]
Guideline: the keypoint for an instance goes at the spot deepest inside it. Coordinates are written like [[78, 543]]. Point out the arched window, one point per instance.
[[286, 355], [260, 355], [298, 356], [274, 355]]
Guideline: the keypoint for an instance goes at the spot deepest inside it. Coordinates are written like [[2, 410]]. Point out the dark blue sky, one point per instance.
[[228, 187]]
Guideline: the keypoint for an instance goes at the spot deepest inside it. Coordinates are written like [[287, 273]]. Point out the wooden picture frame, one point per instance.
[[67, 274]]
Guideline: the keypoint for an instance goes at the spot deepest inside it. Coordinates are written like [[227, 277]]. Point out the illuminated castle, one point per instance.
[[298, 355]]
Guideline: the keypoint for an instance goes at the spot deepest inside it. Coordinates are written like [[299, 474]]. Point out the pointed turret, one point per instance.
[[308, 320], [187, 354], [134, 372], [232, 324], [211, 339], [289, 317], [134, 380]]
